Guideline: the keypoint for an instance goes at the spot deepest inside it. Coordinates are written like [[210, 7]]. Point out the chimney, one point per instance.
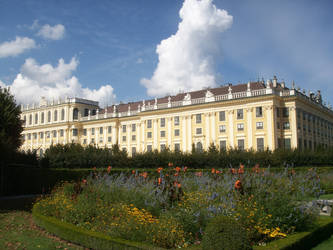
[[283, 85], [274, 82]]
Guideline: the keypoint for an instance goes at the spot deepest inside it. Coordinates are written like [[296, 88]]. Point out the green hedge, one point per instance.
[[77, 156], [304, 240], [84, 237]]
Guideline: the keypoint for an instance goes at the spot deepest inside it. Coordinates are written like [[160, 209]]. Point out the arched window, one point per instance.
[[199, 147], [36, 118], [42, 118], [30, 119], [24, 120], [55, 117], [62, 114], [75, 114], [41, 152], [49, 116]]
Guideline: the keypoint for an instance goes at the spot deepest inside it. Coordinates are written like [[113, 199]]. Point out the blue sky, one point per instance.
[[108, 48]]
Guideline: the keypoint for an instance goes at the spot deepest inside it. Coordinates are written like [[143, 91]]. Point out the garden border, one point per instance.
[[303, 240], [85, 237]]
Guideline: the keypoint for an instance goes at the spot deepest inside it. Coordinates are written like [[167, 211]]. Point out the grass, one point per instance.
[[18, 231]]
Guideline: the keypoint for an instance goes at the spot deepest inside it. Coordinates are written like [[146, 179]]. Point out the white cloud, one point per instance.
[[16, 47], [2, 84], [56, 32], [139, 60], [35, 81], [186, 59]]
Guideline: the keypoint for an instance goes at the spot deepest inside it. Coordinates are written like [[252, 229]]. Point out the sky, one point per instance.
[[130, 50]]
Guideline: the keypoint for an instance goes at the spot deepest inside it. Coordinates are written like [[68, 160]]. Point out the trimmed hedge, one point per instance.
[[304, 240], [77, 156], [84, 237], [95, 240]]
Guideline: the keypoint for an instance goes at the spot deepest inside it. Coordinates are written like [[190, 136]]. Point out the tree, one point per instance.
[[10, 124]]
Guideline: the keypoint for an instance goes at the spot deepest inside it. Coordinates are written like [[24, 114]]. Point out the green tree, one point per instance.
[[10, 124]]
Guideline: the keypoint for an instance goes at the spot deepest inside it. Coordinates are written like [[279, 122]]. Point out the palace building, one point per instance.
[[254, 115]]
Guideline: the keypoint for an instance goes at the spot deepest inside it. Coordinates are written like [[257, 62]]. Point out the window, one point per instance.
[[223, 145], [86, 112], [149, 148], [42, 118], [305, 143], [277, 112], [124, 128], [74, 132], [55, 115], [62, 114], [92, 131], [24, 120], [47, 134], [285, 112], [41, 135], [133, 127], [61, 132], [109, 129], [36, 118], [149, 124], [92, 141], [162, 147], [109, 139], [54, 133], [30, 119], [198, 118], [124, 149], [49, 116], [84, 131], [176, 132], [162, 122], [222, 116], [84, 141], [198, 131], [240, 126], [278, 125], [133, 151], [260, 144], [93, 112], [75, 114], [162, 133], [260, 125], [177, 147], [199, 147], [240, 144], [101, 140], [29, 136], [149, 135], [124, 138], [176, 120], [258, 111], [286, 125], [101, 130], [133, 137], [287, 144], [222, 128], [35, 136], [239, 114]]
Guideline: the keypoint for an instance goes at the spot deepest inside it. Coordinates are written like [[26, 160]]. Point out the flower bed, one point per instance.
[[176, 208]]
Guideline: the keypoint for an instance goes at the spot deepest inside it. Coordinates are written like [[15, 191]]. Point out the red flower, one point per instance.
[[185, 168], [94, 168], [177, 169], [170, 164], [133, 171], [238, 184], [84, 181], [144, 174], [198, 174], [109, 169], [233, 171], [159, 181], [159, 170], [213, 170]]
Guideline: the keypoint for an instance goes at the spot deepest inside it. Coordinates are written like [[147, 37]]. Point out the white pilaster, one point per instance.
[[250, 131], [155, 133], [138, 137], [170, 134], [231, 128], [293, 126], [270, 127], [213, 128], [207, 121], [189, 133], [184, 132]]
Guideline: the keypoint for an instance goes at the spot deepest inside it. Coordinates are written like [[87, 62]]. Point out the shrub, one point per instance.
[[224, 232]]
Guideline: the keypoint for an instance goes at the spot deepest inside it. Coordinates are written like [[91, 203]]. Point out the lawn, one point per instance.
[[18, 231]]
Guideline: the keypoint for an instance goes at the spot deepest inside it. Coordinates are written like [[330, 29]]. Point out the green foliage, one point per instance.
[[77, 156], [224, 232], [10, 125]]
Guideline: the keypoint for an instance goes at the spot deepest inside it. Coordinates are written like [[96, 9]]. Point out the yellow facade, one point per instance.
[[250, 116]]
